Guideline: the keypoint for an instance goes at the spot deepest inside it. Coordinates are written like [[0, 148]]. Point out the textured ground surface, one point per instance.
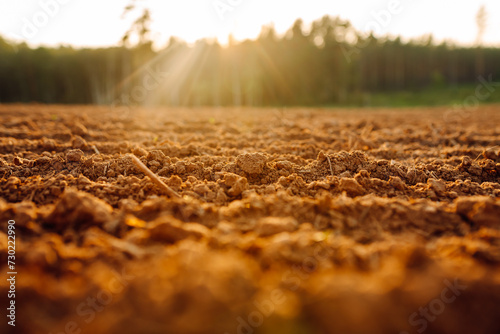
[[289, 221]]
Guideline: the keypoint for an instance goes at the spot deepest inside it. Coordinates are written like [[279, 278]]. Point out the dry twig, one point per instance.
[[153, 176], [329, 161]]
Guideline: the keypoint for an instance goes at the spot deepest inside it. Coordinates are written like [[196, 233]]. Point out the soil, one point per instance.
[[288, 220]]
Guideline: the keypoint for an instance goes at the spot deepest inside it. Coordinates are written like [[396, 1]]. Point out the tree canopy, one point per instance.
[[330, 63]]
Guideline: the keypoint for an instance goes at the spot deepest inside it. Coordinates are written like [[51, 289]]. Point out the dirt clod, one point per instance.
[[252, 163], [74, 155], [78, 210]]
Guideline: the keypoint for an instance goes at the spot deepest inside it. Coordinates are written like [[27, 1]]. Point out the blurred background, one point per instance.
[[249, 53]]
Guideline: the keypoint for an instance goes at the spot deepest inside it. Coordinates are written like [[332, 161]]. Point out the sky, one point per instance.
[[96, 23]]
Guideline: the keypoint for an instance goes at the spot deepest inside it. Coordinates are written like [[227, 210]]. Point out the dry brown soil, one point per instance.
[[289, 220]]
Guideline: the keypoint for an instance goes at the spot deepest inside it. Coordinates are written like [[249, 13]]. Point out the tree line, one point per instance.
[[327, 63]]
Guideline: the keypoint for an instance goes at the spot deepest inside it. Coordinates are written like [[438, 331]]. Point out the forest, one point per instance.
[[328, 63]]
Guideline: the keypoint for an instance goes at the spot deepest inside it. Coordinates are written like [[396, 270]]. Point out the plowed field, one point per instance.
[[287, 221]]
